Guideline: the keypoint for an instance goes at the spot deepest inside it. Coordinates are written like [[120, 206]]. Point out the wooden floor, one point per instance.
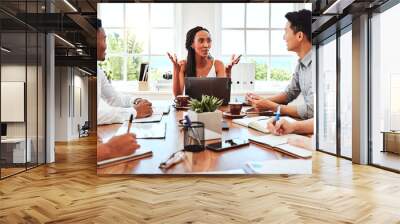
[[69, 191], [386, 159]]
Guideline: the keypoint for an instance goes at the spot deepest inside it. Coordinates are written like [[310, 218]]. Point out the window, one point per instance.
[[137, 33], [256, 30], [327, 96], [346, 94], [385, 87]]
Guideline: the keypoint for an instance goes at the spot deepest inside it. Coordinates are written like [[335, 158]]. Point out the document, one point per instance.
[[138, 154], [145, 130], [280, 143], [151, 119], [258, 123]]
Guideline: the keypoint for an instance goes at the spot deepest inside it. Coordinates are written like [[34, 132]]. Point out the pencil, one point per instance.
[[130, 123]]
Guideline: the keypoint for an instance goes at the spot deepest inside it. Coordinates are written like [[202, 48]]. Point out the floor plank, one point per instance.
[[69, 191]]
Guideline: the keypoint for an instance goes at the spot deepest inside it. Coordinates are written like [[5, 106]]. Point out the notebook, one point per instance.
[[281, 166], [151, 119], [145, 130], [138, 154], [161, 109], [280, 144], [258, 123]]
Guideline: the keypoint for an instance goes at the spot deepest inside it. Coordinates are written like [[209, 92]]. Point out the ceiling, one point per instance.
[[72, 20]]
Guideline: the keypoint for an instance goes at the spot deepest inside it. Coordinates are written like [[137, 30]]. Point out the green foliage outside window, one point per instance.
[[280, 74], [276, 73], [113, 65]]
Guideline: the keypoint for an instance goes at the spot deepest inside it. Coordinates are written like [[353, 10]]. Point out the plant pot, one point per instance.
[[212, 123]]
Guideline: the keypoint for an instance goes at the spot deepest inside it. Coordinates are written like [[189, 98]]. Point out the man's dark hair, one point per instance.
[[96, 23], [300, 21]]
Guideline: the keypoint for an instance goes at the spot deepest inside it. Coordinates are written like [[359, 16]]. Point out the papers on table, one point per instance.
[[161, 109], [145, 130], [258, 123], [152, 118], [280, 143], [138, 154], [281, 166]]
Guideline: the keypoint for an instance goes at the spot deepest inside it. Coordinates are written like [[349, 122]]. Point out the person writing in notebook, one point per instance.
[[199, 62], [284, 127], [114, 107], [117, 146], [298, 39]]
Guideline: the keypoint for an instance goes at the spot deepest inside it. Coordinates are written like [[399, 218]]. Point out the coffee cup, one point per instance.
[[235, 108], [182, 100]]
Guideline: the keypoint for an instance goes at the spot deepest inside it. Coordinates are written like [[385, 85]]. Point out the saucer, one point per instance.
[[180, 108], [229, 115]]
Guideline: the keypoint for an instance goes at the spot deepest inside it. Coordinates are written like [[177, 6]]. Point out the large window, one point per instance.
[[385, 89], [346, 93], [22, 87], [256, 31], [144, 32], [327, 96], [137, 33]]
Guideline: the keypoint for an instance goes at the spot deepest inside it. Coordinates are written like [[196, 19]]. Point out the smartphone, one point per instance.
[[227, 144]]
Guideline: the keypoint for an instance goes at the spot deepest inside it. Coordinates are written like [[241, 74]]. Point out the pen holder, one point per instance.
[[144, 86], [193, 137]]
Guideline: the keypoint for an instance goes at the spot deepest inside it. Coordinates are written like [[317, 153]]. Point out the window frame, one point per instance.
[[146, 57]]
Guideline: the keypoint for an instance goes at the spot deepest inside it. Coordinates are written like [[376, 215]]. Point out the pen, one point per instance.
[[189, 125], [278, 113], [130, 123]]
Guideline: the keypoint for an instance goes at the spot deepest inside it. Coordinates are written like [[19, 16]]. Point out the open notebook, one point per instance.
[[280, 143], [145, 130], [258, 123], [138, 154], [161, 109], [153, 118]]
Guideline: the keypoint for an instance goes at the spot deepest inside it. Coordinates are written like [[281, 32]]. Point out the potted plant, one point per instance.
[[206, 111]]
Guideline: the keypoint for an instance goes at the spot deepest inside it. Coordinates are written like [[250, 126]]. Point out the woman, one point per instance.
[[199, 62]]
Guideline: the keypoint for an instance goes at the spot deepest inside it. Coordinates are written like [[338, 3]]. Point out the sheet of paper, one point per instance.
[[260, 125], [145, 130], [297, 151], [282, 166], [270, 140], [153, 118], [160, 109], [138, 154], [247, 120]]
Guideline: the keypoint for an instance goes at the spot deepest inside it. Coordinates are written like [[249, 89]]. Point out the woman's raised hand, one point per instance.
[[234, 61], [174, 61]]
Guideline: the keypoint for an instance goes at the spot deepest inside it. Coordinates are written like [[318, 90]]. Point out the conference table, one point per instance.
[[231, 161]]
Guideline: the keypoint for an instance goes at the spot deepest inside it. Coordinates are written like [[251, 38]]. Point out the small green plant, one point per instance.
[[207, 104]]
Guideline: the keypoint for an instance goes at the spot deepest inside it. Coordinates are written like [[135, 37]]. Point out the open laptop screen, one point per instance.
[[217, 87]]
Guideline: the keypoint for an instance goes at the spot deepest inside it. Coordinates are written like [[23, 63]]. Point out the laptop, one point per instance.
[[217, 87]]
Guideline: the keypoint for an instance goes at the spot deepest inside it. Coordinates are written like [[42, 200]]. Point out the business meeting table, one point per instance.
[[205, 162]]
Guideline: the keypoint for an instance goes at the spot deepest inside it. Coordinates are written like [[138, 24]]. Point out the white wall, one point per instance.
[[196, 14], [70, 83]]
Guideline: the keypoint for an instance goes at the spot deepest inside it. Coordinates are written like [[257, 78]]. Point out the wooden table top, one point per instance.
[[205, 161]]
